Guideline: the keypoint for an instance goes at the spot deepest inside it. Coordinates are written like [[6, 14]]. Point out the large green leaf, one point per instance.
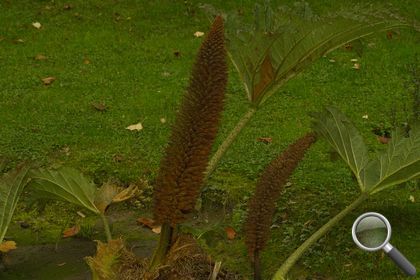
[[399, 163], [282, 43], [66, 184], [343, 136], [11, 186]]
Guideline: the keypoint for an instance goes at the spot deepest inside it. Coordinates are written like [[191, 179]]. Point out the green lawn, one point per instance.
[[122, 54]]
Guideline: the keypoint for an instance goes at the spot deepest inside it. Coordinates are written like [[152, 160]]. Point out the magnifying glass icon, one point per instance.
[[371, 231]]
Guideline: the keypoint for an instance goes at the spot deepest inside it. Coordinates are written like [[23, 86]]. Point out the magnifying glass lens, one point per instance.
[[371, 232]]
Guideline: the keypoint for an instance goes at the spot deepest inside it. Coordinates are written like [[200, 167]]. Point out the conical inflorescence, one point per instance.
[[182, 169], [262, 204]]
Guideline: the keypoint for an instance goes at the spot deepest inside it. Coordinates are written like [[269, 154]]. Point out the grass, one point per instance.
[[133, 70]]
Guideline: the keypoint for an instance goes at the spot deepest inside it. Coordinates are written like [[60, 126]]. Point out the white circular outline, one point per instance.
[[361, 217]]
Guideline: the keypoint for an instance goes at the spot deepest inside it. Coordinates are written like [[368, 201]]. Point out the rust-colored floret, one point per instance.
[[261, 206], [182, 169]]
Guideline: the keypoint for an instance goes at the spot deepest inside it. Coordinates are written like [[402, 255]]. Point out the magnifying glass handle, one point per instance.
[[400, 260]]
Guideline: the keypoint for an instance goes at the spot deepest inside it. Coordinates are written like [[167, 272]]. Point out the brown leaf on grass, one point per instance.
[[348, 46], [391, 33], [149, 223], [71, 231], [356, 66], [48, 80], [86, 61], [99, 106], [67, 7], [40, 57], [6, 246], [37, 25], [81, 214], [198, 34], [137, 127], [117, 158], [18, 41], [157, 229], [230, 233], [383, 139], [266, 140]]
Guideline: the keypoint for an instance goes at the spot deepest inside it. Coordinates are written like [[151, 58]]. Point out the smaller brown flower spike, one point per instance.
[[262, 204], [182, 169]]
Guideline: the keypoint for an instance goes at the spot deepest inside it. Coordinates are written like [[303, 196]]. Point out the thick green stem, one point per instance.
[[163, 246], [291, 260], [106, 228], [228, 141]]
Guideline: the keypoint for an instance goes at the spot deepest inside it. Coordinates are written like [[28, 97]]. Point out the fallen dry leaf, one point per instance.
[[266, 140], [137, 127], [353, 60], [230, 233], [348, 46], [390, 34], [371, 45], [332, 60], [40, 57], [365, 117], [99, 106], [48, 80], [86, 61], [162, 120], [67, 7], [383, 139], [356, 66], [117, 158], [157, 229], [198, 34], [81, 214], [149, 223], [37, 25], [411, 198], [71, 231], [66, 150], [18, 41], [7, 246], [61, 264]]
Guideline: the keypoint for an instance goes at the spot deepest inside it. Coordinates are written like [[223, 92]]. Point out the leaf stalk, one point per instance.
[[292, 259]]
